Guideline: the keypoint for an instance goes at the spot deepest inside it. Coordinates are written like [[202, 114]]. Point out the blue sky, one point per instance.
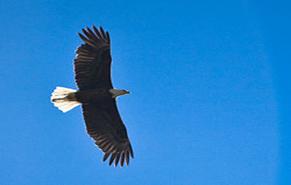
[[209, 85]]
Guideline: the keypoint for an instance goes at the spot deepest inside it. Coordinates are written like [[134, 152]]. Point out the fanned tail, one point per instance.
[[64, 99]]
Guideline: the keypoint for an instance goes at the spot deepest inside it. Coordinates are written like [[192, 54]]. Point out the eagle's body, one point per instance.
[[97, 96]]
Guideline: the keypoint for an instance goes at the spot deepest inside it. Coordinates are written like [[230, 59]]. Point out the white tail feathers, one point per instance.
[[60, 98]]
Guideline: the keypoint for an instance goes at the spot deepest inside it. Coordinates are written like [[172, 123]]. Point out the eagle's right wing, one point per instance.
[[93, 60]]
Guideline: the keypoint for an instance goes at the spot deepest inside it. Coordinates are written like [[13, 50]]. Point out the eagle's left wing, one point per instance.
[[105, 126]]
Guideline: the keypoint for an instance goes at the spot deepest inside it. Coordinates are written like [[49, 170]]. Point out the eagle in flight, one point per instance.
[[96, 95]]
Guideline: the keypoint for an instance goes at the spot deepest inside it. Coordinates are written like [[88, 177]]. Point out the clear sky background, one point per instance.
[[209, 82]]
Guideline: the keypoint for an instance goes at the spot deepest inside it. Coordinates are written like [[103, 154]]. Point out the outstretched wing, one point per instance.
[[105, 126], [93, 60]]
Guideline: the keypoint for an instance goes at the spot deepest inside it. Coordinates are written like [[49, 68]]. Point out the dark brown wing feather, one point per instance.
[[105, 126], [93, 60]]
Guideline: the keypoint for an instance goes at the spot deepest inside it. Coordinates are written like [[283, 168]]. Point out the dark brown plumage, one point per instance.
[[92, 67], [103, 122]]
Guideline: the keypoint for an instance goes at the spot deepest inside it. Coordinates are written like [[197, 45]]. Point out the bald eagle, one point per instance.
[[96, 95]]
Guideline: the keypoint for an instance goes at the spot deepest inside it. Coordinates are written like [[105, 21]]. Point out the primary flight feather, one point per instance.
[[97, 96]]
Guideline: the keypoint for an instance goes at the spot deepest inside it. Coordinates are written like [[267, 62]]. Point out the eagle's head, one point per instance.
[[125, 92], [117, 92]]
